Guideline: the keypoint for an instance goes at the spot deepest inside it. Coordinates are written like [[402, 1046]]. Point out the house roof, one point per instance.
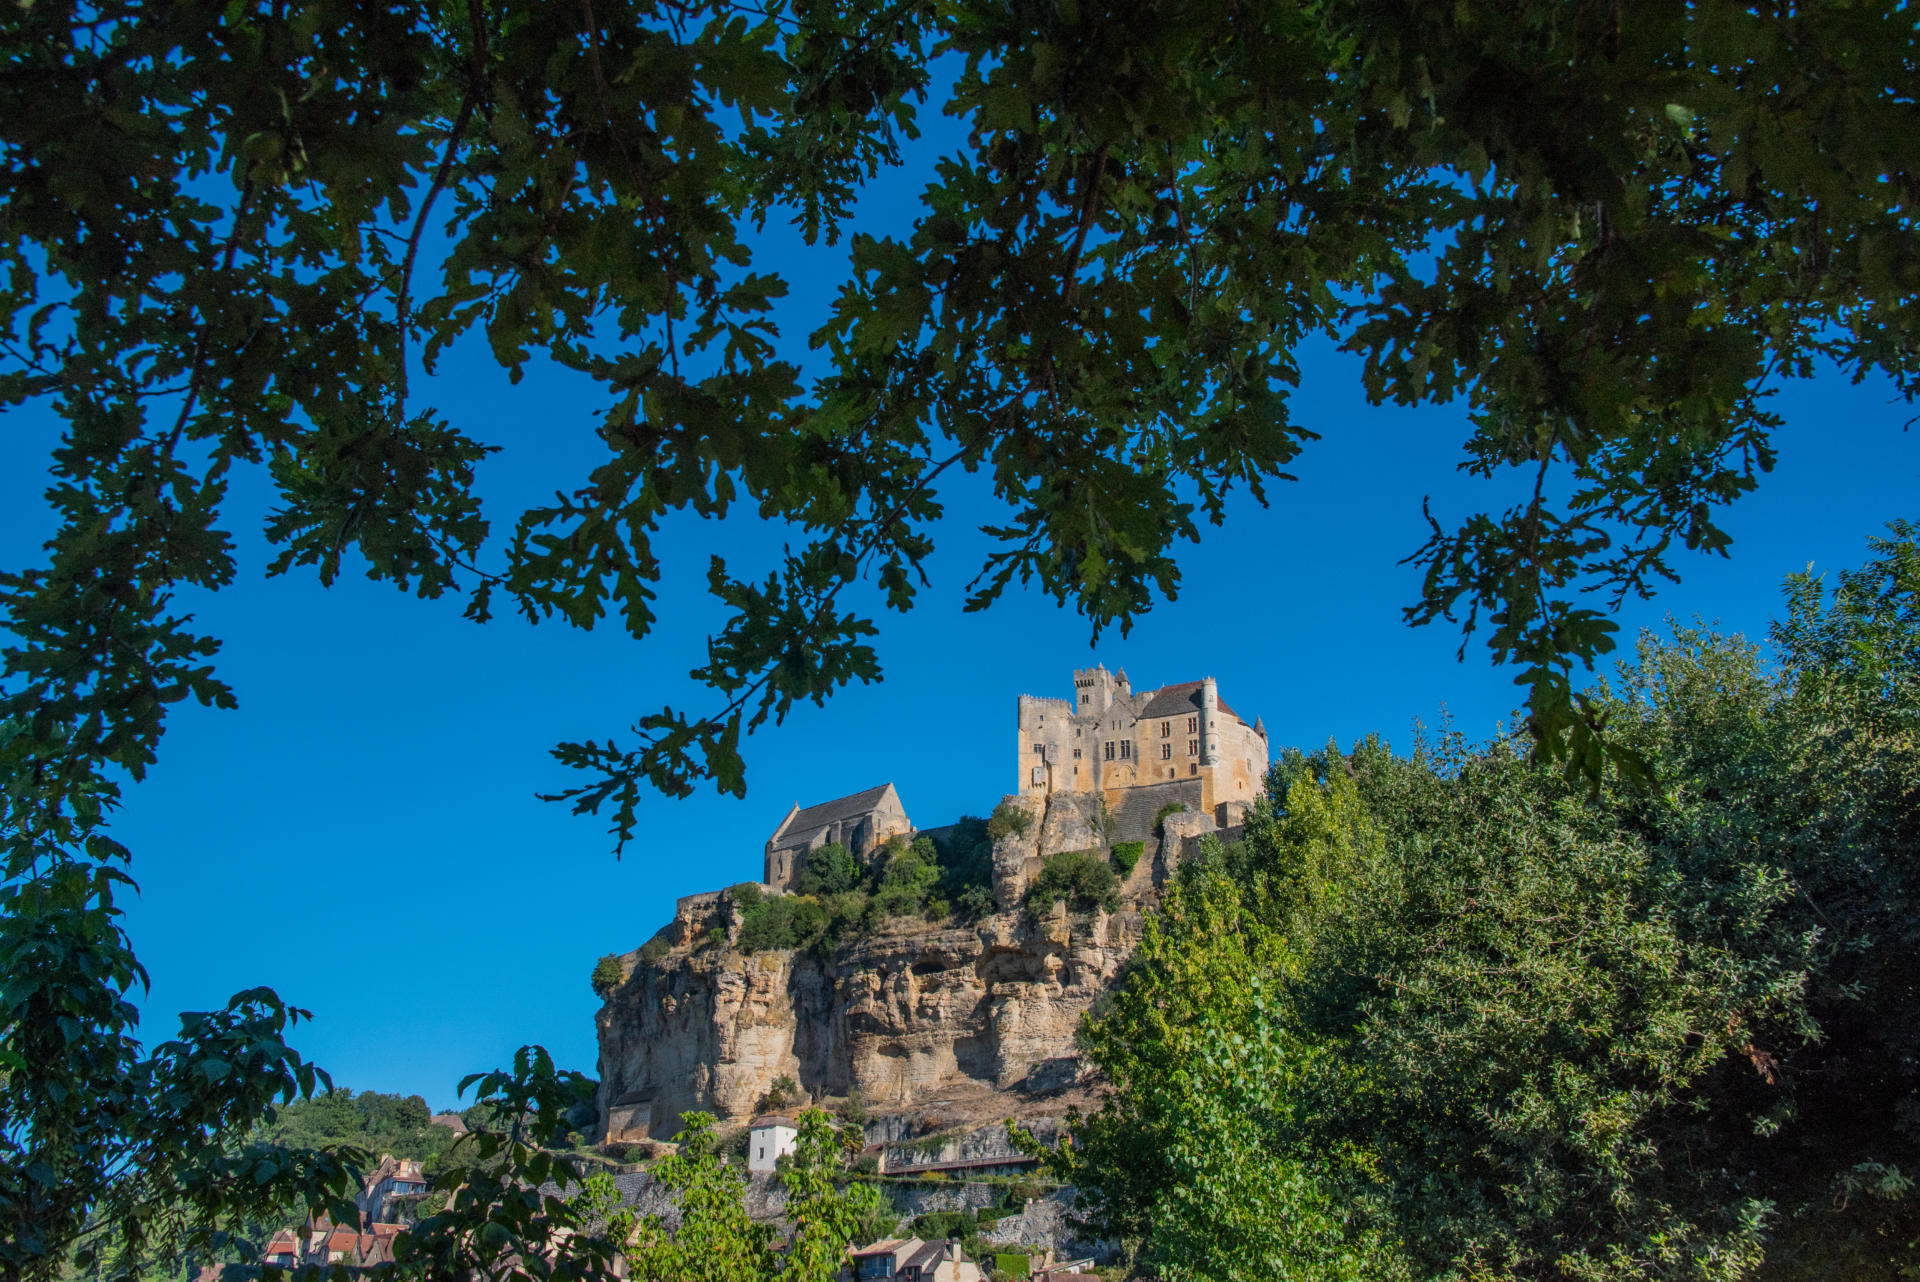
[[887, 1246], [814, 818], [774, 1119], [928, 1255], [1178, 700], [452, 1121]]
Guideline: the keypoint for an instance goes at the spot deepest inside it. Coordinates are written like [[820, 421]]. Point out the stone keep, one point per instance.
[[1109, 740]]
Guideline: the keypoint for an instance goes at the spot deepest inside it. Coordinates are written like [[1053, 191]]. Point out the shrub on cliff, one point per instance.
[[1009, 819], [607, 974], [1080, 877], [1126, 854]]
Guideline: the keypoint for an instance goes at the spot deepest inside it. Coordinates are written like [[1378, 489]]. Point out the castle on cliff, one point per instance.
[[1178, 743], [1107, 739]]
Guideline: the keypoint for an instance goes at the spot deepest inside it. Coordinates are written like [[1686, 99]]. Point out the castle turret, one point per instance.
[[1209, 722]]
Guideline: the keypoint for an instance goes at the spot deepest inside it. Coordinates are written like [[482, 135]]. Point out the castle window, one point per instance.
[[1193, 725], [1076, 754], [1193, 747], [1109, 750], [1126, 749], [1039, 749], [1193, 769], [1166, 729], [1166, 752]]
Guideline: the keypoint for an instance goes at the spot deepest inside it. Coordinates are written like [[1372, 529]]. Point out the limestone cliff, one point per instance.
[[967, 1021]]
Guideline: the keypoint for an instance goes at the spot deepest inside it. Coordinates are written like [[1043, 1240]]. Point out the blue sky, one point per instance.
[[363, 834]]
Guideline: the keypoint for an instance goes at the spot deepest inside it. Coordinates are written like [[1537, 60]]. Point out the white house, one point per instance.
[[767, 1139]]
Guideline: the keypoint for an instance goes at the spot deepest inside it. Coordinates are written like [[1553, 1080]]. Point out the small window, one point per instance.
[[1166, 729], [1166, 752], [1109, 752], [1076, 754], [1039, 749], [1193, 769], [1126, 749], [1193, 747], [1193, 725]]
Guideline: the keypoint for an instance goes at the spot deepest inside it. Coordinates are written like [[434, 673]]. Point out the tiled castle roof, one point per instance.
[[1180, 699]]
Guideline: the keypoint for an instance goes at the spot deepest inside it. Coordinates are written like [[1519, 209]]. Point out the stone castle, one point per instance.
[[1107, 739], [1179, 743], [961, 1019]]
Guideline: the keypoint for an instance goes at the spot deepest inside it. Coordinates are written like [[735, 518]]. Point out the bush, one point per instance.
[[1008, 819], [1126, 854], [942, 1224], [653, 950], [607, 974], [1011, 1264], [830, 870], [1080, 877], [974, 901], [746, 894], [1160, 816]]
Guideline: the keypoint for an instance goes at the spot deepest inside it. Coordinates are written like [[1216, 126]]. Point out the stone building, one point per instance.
[[862, 823], [1108, 740]]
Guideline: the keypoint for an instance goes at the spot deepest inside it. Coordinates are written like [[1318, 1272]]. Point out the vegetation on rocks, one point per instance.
[[1082, 878], [841, 899], [1125, 854]]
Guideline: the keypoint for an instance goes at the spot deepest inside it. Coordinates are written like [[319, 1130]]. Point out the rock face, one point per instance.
[[907, 1017], [967, 1021]]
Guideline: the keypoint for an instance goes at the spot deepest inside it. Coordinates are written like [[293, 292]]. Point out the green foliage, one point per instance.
[[607, 974], [830, 870], [715, 1240], [494, 1217], [828, 1213], [906, 879], [369, 1121], [782, 1092], [653, 950], [1080, 877], [1009, 819], [1448, 1016], [1160, 815], [1126, 854], [1013, 1264], [966, 868]]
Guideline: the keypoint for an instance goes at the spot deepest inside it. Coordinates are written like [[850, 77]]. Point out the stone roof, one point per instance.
[[774, 1119], [1179, 700], [814, 818]]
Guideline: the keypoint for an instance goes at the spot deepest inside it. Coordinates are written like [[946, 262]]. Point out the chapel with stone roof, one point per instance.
[[862, 823], [1109, 740]]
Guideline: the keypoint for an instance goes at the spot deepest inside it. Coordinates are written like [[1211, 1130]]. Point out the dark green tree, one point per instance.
[[1448, 1017]]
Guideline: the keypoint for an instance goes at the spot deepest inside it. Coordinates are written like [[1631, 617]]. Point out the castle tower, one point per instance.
[[1093, 690], [1209, 722]]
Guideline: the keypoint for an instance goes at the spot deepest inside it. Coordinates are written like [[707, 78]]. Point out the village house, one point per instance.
[[768, 1139], [910, 1260]]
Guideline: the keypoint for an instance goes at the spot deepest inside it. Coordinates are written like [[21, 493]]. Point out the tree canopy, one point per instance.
[[236, 234], [1447, 1017]]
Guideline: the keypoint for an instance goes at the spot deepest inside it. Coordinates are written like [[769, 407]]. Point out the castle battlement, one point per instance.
[[1107, 739]]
